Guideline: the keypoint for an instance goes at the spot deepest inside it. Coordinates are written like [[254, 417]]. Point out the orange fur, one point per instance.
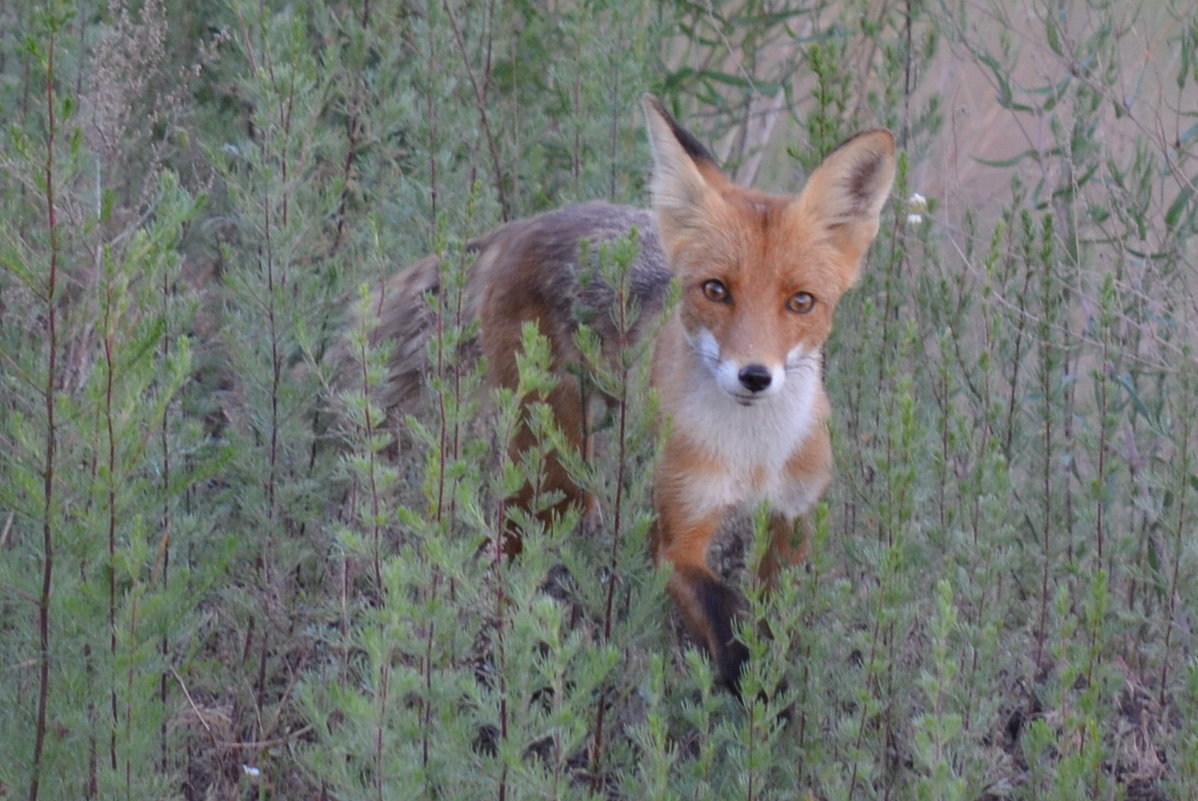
[[738, 365]]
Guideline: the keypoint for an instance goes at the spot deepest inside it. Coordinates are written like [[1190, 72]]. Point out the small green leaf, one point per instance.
[[1179, 204]]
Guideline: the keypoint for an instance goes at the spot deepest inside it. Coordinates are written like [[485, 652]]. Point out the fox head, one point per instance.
[[761, 274]]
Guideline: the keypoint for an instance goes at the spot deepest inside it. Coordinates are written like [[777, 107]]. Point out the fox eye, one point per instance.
[[801, 303], [715, 291]]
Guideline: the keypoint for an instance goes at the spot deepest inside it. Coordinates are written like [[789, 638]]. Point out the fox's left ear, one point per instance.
[[845, 194]]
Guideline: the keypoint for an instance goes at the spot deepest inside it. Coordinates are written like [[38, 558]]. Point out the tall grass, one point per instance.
[[226, 571]]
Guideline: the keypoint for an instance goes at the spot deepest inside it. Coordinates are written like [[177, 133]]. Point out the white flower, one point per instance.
[[917, 204]]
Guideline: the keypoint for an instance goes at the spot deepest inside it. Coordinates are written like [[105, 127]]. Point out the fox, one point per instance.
[[738, 362]]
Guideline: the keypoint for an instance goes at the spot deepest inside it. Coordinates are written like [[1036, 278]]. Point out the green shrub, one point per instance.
[[224, 572]]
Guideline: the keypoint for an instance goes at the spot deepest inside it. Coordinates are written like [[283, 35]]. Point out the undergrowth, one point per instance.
[[226, 571]]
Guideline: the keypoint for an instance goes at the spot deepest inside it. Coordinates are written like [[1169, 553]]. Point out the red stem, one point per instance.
[[43, 691]]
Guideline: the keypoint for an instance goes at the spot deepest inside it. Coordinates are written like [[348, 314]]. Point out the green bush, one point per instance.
[[224, 572]]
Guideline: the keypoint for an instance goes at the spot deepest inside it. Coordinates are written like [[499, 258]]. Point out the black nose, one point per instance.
[[754, 378]]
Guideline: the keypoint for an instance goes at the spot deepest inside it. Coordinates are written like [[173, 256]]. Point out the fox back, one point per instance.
[[527, 269]]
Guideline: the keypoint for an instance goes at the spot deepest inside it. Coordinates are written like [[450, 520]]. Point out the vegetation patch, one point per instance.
[[226, 571]]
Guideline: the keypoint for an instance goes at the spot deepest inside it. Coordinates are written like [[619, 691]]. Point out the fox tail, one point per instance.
[[403, 317]]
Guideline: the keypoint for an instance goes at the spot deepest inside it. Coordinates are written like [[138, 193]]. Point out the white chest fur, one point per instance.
[[747, 447]]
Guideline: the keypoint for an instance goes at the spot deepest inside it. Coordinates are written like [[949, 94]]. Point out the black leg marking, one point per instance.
[[721, 606]]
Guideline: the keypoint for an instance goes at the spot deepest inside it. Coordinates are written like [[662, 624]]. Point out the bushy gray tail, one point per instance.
[[404, 319]]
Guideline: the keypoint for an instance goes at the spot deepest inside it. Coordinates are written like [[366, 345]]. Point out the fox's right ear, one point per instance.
[[686, 181]]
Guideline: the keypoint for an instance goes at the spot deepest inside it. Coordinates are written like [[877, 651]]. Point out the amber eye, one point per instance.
[[801, 303], [715, 291]]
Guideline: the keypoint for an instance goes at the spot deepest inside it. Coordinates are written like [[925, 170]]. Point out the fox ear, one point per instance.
[[686, 181], [845, 194]]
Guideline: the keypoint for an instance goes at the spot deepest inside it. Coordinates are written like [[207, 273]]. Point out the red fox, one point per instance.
[[737, 366]]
